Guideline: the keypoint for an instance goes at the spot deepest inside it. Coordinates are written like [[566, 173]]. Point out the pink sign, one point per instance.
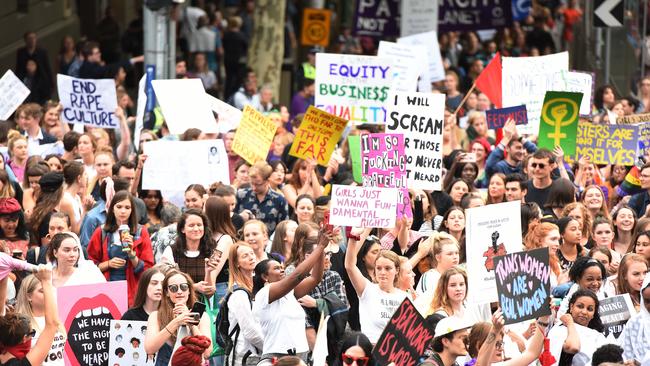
[[86, 312], [383, 164]]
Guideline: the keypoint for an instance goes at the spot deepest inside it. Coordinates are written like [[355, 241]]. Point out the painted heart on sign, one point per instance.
[[508, 285], [530, 285]]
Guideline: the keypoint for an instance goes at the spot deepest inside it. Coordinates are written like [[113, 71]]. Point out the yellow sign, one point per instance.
[[315, 27], [561, 112], [317, 136], [254, 136]]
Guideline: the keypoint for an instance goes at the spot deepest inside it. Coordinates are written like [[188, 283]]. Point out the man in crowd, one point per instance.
[[516, 187], [449, 341]]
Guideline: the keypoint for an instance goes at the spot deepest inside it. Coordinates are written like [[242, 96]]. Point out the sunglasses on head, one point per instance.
[[540, 165], [348, 360], [174, 288]]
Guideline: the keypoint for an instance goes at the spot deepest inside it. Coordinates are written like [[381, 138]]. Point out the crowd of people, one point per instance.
[[259, 249]]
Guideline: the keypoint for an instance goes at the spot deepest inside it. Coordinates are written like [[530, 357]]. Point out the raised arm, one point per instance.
[[572, 342], [37, 354], [356, 277], [535, 346], [125, 141]]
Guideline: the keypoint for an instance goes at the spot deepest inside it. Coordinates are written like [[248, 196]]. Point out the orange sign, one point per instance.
[[316, 27]]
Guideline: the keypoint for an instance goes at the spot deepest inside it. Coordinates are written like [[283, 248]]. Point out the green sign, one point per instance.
[[355, 156], [559, 121]]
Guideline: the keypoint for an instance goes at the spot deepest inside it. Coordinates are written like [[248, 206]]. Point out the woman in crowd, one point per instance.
[[13, 229], [303, 232], [276, 181], [86, 147], [560, 194], [406, 278], [223, 233], [640, 244], [304, 211], [497, 188], [48, 202], [588, 274], [276, 305], [624, 221], [629, 279], [17, 149], [450, 294], [102, 169], [356, 350], [444, 255], [467, 171], [594, 199], [18, 333], [70, 266], [304, 180], [195, 196], [570, 248], [31, 188], [634, 338], [148, 296], [242, 178], [256, 235], [75, 189], [456, 189], [122, 255], [153, 199], [283, 239], [481, 148], [453, 222], [59, 223], [173, 318], [579, 212], [55, 162], [603, 237], [547, 235]]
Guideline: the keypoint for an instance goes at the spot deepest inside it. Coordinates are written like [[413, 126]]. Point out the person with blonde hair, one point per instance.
[[267, 206], [444, 255], [17, 149], [255, 234]]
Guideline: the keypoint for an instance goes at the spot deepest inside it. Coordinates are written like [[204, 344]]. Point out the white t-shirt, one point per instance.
[[282, 321], [428, 282], [590, 341], [250, 332], [168, 255], [55, 354], [376, 307]]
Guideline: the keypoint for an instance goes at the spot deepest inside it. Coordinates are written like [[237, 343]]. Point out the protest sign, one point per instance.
[[577, 82], [420, 118], [383, 164], [254, 136], [317, 136], [496, 118], [321, 351], [228, 116], [174, 165], [633, 119], [559, 121], [184, 105], [525, 80], [523, 284], [418, 16], [86, 312], [643, 143], [44, 150], [407, 64], [355, 156], [405, 337], [126, 344], [315, 27], [363, 206], [462, 15], [607, 144], [12, 93], [377, 18], [90, 102], [614, 312], [353, 87], [492, 230], [429, 40], [140, 111]]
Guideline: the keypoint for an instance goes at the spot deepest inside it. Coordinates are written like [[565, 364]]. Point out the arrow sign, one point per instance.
[[608, 13]]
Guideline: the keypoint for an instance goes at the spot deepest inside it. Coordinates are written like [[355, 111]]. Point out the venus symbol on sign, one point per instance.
[[559, 113]]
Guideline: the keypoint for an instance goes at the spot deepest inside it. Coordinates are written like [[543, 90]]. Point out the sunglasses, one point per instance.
[[32, 333], [174, 288], [540, 165], [348, 360]]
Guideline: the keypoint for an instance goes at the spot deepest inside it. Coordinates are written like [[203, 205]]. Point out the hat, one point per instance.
[[190, 353], [51, 181], [9, 206], [451, 324], [316, 49]]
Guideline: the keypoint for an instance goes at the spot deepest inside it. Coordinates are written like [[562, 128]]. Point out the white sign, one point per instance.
[[420, 117], [184, 105], [525, 80], [418, 16], [353, 87], [139, 116], [55, 148], [126, 344], [90, 102], [492, 230], [407, 64], [174, 165], [228, 115], [363, 206], [12, 93], [430, 42], [578, 82]]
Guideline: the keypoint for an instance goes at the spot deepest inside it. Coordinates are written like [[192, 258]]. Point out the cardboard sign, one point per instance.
[[254, 136], [12, 94], [614, 312], [90, 102], [166, 169], [126, 344], [363, 206], [608, 144], [633, 119], [523, 284], [405, 337], [559, 121], [420, 118], [227, 115], [418, 16], [377, 18], [184, 105], [355, 156], [577, 82], [462, 15], [407, 64], [315, 27], [86, 312], [430, 42], [383, 164], [492, 230], [497, 118], [525, 80], [353, 87], [317, 136]]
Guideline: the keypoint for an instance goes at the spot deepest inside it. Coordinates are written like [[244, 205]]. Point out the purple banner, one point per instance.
[[383, 164], [377, 18], [496, 118], [463, 15]]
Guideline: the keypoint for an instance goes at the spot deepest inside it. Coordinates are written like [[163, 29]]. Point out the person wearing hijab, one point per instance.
[[636, 333]]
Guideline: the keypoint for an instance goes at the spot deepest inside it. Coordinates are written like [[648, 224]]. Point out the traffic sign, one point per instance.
[[316, 27], [608, 13]]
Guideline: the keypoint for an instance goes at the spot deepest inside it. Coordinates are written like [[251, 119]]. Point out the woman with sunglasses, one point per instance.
[[173, 318], [356, 350], [17, 332]]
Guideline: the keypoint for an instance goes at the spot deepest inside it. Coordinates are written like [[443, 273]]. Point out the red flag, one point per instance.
[[489, 82]]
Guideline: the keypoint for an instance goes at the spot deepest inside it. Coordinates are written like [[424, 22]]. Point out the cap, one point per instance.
[[9, 206], [451, 324], [51, 181]]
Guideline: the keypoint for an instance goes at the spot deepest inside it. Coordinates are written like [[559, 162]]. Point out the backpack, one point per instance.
[[225, 338]]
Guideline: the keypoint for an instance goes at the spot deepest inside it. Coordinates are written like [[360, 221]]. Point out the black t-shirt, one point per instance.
[[537, 195], [136, 314], [17, 362]]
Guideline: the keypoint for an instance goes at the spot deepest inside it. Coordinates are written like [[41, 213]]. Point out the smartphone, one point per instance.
[[468, 158], [216, 254], [17, 254], [326, 221], [198, 308]]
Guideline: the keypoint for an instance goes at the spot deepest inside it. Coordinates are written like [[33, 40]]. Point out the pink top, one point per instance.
[[19, 171], [8, 264]]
